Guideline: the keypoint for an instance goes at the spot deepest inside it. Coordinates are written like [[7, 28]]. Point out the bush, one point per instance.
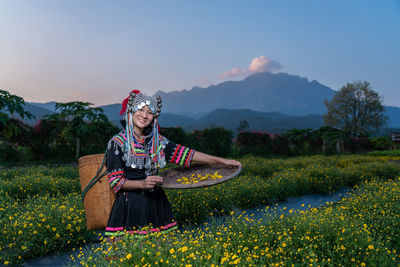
[[381, 142], [215, 141], [175, 134], [391, 153], [10, 153], [256, 143]]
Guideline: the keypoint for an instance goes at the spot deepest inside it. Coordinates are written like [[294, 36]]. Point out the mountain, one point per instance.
[[394, 116], [264, 92], [49, 105], [36, 110], [265, 100], [264, 121], [112, 112], [166, 120]]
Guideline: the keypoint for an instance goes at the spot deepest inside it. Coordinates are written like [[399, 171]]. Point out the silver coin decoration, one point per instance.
[[140, 100]]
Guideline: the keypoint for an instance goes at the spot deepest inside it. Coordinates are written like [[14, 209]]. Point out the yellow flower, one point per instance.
[[236, 261], [184, 249], [370, 246], [128, 256], [171, 251], [223, 260]]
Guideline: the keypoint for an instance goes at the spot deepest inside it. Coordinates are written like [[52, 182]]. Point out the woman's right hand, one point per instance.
[[152, 181]]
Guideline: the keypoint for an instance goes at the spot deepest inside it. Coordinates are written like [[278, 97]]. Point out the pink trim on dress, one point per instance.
[[180, 154], [142, 232]]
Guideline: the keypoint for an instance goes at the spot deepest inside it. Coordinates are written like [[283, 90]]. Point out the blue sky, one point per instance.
[[97, 51]]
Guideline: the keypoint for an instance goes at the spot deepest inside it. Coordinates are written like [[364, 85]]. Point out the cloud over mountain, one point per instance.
[[258, 64]]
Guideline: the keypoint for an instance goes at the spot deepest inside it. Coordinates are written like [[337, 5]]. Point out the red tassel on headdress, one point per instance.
[[125, 102]]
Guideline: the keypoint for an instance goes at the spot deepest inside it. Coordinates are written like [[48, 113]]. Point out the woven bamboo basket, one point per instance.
[[100, 197], [171, 176]]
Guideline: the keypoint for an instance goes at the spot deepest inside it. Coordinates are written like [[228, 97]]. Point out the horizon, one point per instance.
[[119, 103], [98, 51]]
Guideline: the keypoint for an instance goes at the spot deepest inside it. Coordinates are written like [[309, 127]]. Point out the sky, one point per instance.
[[98, 51]]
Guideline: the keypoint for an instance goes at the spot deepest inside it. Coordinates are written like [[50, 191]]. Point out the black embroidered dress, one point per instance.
[[140, 211]]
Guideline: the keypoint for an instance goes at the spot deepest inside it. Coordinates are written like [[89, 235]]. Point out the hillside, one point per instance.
[[272, 102], [264, 92], [264, 121]]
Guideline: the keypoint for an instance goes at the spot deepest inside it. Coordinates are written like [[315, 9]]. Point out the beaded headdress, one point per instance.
[[137, 100], [151, 155]]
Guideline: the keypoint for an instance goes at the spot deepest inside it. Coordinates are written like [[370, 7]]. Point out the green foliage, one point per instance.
[[303, 141], [391, 153], [331, 137], [78, 130], [75, 114], [256, 143], [14, 152], [15, 135], [11, 104], [176, 134], [357, 109], [215, 141], [381, 142]]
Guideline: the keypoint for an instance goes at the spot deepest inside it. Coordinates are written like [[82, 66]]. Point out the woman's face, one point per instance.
[[142, 117]]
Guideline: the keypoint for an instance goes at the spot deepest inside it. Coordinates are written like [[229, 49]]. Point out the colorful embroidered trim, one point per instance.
[[120, 139], [110, 231], [182, 155], [137, 154], [116, 178]]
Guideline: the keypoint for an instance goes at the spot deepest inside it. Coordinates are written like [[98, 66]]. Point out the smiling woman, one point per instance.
[[133, 159]]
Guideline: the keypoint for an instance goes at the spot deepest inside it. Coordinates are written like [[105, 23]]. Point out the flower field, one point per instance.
[[362, 230], [41, 212]]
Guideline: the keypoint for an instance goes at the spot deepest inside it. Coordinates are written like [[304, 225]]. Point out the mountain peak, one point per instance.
[[263, 91]]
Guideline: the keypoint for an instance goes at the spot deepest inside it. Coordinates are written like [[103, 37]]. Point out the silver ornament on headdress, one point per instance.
[[140, 100]]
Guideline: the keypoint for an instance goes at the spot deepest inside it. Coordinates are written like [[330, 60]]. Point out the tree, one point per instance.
[[10, 104], [357, 109], [76, 113]]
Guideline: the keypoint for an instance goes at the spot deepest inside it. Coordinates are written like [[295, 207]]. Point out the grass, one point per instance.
[[392, 153]]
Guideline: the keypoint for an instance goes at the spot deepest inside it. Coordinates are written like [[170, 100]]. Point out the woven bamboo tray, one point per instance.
[[172, 175]]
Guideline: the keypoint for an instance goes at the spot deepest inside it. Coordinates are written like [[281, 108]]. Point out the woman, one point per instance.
[[133, 159]]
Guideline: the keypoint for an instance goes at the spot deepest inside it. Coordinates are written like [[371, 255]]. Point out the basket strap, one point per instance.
[[95, 178]]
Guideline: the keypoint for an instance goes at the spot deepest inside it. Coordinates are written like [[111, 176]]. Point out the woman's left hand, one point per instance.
[[209, 159], [231, 162]]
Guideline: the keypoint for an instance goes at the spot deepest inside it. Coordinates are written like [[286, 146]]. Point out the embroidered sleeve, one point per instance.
[[114, 164], [178, 154]]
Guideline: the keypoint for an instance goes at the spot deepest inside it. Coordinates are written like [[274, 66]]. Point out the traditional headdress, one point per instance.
[[137, 100], [154, 158]]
